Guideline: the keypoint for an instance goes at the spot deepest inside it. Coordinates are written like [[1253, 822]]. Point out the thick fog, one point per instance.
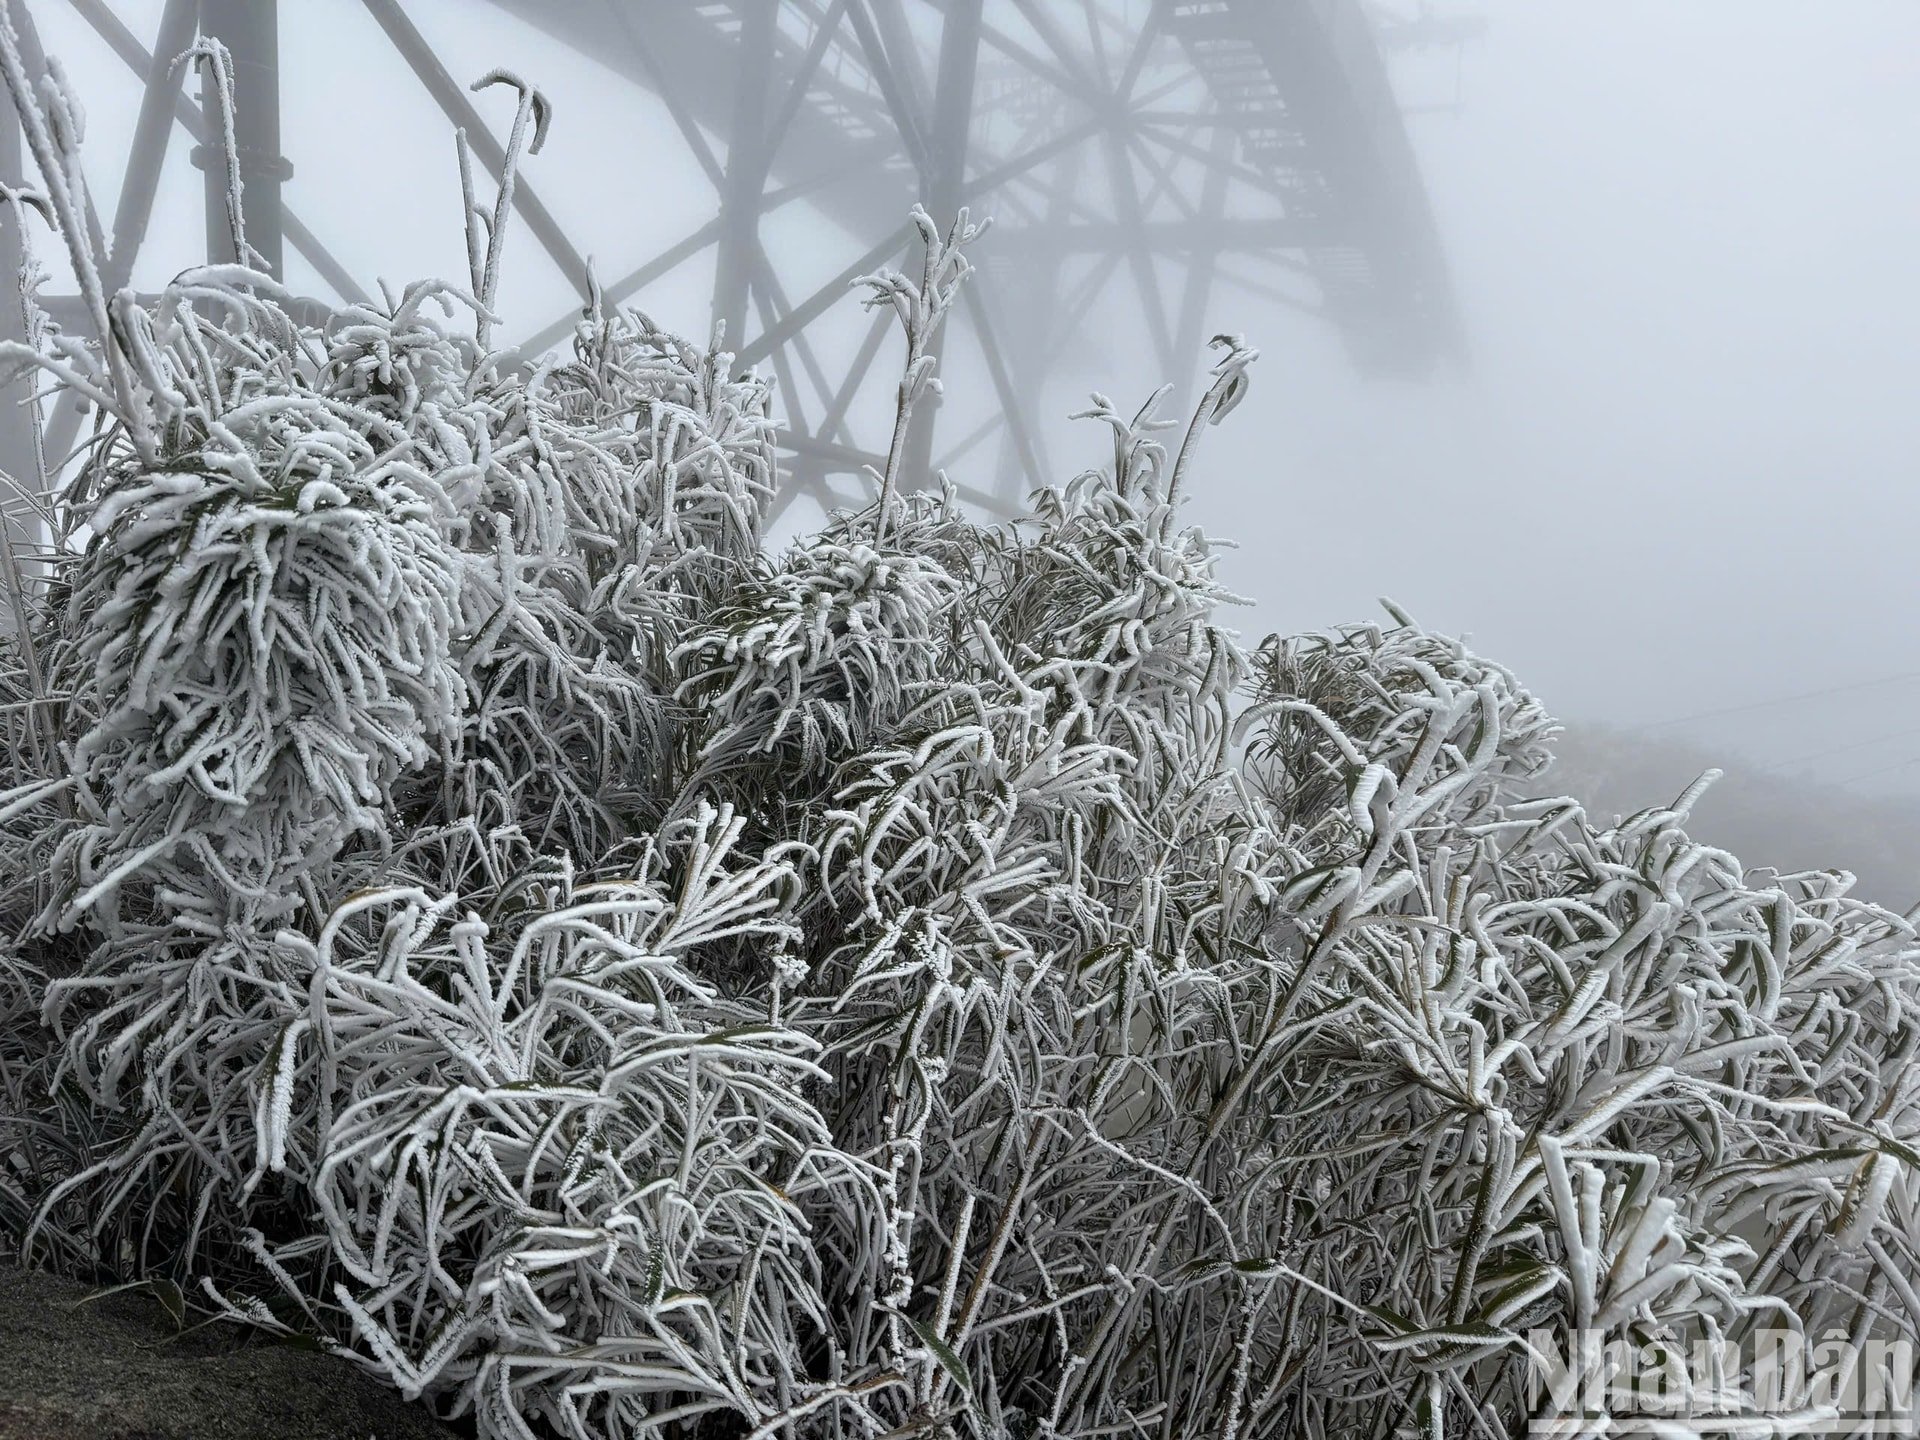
[[1679, 475], [1675, 477]]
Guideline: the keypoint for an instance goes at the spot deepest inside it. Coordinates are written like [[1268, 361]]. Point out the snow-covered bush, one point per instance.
[[469, 902]]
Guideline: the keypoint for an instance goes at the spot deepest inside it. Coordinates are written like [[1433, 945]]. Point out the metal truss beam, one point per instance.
[[748, 157], [1338, 130], [1159, 237], [1173, 152]]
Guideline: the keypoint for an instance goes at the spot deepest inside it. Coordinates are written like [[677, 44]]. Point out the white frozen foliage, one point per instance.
[[469, 903]]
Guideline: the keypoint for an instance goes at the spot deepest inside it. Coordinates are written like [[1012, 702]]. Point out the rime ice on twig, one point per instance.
[[921, 308], [219, 63], [483, 259]]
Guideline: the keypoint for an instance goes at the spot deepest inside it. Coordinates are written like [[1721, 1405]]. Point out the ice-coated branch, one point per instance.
[[921, 308], [53, 125], [484, 262], [1228, 388], [218, 63]]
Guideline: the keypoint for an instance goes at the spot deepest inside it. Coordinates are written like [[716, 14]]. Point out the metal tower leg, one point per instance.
[[1031, 294], [745, 182]]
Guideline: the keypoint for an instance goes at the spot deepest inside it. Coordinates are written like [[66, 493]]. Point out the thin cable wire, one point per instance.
[[1778, 765], [1784, 700], [1883, 770]]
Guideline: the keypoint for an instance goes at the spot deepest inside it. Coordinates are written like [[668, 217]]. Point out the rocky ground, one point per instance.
[[119, 1368]]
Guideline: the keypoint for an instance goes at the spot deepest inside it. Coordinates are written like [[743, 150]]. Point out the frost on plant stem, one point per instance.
[[921, 309], [469, 902]]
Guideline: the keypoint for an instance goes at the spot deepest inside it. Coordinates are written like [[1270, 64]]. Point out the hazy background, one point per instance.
[[1681, 473], [1677, 479]]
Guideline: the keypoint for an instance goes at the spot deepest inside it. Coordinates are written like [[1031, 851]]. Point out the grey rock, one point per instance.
[[117, 1368]]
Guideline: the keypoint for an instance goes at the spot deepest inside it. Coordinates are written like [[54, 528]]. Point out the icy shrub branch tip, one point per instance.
[[921, 308]]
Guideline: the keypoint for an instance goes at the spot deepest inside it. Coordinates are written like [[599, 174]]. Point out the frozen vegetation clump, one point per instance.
[[468, 902]]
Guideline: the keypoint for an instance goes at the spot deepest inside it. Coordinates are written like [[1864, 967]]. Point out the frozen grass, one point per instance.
[[471, 903]]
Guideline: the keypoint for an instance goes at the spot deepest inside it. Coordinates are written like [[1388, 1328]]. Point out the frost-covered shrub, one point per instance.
[[469, 903], [543, 1151], [265, 613]]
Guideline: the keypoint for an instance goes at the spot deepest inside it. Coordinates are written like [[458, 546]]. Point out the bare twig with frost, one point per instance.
[[483, 260], [219, 67], [920, 308]]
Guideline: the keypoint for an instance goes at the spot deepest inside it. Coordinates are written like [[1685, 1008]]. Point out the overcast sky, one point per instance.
[[1680, 474]]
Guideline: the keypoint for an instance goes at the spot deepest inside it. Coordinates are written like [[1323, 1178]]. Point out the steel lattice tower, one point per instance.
[[1135, 154]]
